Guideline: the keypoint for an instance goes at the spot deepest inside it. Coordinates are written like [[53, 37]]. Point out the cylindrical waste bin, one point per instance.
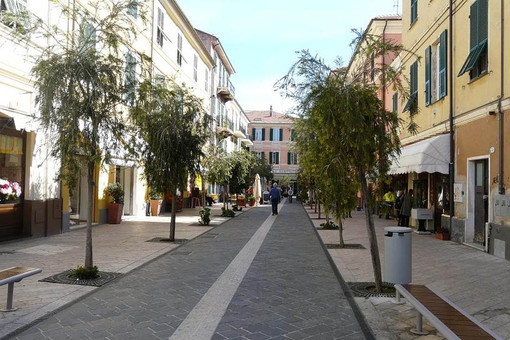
[[397, 255]]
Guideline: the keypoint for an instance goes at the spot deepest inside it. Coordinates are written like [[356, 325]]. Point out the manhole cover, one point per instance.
[[367, 289], [104, 278], [163, 239], [346, 246]]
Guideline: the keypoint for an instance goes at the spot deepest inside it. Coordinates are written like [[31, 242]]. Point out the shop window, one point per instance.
[[420, 188], [11, 168]]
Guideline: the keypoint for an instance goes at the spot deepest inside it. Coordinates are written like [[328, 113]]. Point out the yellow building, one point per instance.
[[459, 99]]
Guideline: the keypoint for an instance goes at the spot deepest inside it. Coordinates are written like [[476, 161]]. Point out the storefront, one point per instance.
[[423, 166], [12, 174]]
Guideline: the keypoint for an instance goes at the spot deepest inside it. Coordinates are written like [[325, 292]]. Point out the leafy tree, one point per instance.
[[173, 128], [80, 86], [240, 178], [347, 124], [217, 168], [262, 167]]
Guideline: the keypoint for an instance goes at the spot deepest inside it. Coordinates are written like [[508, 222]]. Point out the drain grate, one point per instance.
[[163, 239], [346, 246], [104, 278], [366, 289]]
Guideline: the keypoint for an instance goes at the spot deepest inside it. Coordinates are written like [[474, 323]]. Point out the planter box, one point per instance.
[[115, 213], [443, 236], [155, 207]]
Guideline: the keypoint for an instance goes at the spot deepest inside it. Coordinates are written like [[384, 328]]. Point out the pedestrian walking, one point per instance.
[[405, 210], [389, 201], [290, 192], [275, 196]]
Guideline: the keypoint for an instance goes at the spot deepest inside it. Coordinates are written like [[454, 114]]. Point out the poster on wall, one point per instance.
[[458, 193]]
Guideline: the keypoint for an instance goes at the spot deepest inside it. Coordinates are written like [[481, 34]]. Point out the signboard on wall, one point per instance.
[[458, 193]]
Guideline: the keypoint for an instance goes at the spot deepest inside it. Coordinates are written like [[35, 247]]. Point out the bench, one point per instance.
[[444, 315], [10, 276]]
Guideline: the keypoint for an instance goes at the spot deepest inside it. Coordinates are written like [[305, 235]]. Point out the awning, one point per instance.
[[239, 134], [246, 142], [429, 155], [21, 121]]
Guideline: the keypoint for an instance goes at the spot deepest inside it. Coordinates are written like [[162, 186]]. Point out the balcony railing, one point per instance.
[[226, 93]]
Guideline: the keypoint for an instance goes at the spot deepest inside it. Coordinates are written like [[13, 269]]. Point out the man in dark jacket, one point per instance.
[[274, 195], [405, 210]]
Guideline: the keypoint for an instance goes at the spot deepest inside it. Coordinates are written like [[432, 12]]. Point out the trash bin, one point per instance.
[[397, 255]]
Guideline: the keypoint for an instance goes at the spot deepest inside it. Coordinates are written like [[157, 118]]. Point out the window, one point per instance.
[[206, 77], [274, 158], [160, 27], [477, 59], [179, 49], [276, 134], [435, 70], [195, 68], [14, 6], [412, 103], [292, 134], [260, 154], [395, 103], [130, 77], [87, 36], [292, 158], [259, 134], [133, 9], [414, 11]]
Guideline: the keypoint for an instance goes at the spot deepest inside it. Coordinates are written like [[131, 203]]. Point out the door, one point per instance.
[[481, 200]]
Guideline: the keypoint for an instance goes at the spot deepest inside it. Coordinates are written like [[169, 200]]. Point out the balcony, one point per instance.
[[226, 93]]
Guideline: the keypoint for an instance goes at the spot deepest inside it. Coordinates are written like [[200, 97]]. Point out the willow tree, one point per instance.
[[80, 84], [351, 126], [217, 168], [172, 127], [240, 179]]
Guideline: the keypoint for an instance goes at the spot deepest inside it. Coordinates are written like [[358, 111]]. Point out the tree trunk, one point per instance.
[[341, 232], [89, 262], [374, 249], [203, 191], [315, 199], [174, 210], [319, 202]]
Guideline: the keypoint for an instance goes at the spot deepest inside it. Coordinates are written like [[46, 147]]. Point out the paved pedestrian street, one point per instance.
[[254, 277]]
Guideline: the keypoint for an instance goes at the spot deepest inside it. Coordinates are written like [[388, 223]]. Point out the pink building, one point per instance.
[[272, 136]]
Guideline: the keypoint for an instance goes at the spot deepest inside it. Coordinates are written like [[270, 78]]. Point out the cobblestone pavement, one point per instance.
[[289, 291]]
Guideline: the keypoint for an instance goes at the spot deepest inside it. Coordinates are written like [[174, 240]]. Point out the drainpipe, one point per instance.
[[501, 141], [383, 66], [452, 140]]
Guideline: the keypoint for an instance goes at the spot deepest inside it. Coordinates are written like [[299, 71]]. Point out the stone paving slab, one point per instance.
[[477, 282], [290, 291], [117, 248], [151, 301]]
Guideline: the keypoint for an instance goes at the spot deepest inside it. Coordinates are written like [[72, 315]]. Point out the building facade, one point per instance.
[[272, 135], [460, 101]]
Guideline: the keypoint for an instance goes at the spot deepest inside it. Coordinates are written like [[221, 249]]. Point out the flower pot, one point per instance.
[[115, 213], [251, 203], [155, 207], [443, 236], [241, 203]]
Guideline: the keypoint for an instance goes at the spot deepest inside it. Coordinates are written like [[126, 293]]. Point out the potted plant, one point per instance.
[[251, 200], [156, 201], [116, 206], [443, 234]]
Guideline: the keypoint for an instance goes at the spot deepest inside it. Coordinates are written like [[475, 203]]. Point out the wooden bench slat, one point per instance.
[[442, 313]]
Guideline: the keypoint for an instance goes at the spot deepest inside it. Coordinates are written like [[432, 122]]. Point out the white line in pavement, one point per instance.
[[202, 321]]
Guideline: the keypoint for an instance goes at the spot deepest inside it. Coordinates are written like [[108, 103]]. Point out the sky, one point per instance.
[[261, 37]]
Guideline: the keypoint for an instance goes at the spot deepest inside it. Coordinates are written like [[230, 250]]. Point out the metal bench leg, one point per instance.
[[398, 301], [10, 295], [419, 325]]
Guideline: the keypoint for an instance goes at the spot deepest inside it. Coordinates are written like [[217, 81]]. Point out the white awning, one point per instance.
[[429, 155], [239, 134]]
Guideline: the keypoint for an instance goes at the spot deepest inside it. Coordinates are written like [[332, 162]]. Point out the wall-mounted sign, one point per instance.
[[458, 193]]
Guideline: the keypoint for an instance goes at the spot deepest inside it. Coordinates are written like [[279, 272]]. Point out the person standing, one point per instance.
[[290, 192], [405, 210], [274, 196], [389, 200]]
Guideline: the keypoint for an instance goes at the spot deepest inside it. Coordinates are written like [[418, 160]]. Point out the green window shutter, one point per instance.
[[483, 17], [414, 11], [271, 134], [270, 157], [428, 57], [277, 158], [263, 134], [443, 64], [395, 102], [473, 25], [281, 135], [289, 161], [253, 133]]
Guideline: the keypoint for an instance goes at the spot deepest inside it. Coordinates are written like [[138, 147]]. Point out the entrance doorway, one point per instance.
[[125, 177], [481, 208], [78, 200]]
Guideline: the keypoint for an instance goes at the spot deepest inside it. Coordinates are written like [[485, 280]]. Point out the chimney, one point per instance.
[[270, 110]]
